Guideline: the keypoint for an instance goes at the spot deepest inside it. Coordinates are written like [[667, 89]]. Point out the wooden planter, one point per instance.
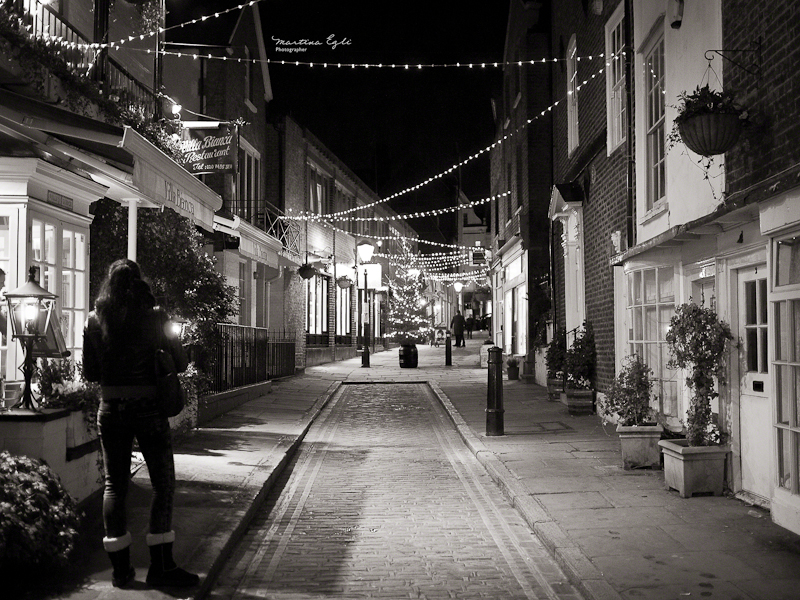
[[639, 445], [693, 469], [579, 402], [409, 356], [711, 134], [554, 389]]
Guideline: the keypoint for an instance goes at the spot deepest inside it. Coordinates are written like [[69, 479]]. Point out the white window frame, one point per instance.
[[248, 183], [650, 342], [317, 313], [73, 302], [572, 95], [653, 84], [615, 80]]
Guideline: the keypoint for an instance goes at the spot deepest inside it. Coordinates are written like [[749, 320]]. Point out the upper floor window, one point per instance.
[[654, 121], [249, 79], [248, 205], [318, 192], [615, 79], [572, 94]]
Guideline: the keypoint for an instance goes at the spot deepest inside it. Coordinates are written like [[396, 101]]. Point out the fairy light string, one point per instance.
[[303, 215]]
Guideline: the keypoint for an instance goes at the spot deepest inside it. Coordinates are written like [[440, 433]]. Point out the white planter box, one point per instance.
[[59, 437], [693, 469]]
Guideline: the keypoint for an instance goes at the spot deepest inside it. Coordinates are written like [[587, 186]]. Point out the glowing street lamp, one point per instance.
[[31, 308], [365, 251]]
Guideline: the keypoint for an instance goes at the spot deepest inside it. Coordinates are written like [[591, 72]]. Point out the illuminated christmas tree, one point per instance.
[[408, 319]]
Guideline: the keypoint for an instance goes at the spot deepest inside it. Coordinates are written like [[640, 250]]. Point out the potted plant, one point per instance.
[[709, 121], [554, 361], [698, 341], [579, 365], [512, 365], [628, 400]]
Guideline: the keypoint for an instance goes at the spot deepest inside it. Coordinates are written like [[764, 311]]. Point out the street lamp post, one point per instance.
[[30, 307], [365, 250]]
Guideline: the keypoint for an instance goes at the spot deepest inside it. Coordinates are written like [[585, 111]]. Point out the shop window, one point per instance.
[[651, 305], [60, 251], [343, 300], [244, 307], [317, 311], [5, 265]]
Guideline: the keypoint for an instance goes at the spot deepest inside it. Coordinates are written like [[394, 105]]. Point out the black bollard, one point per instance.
[[365, 353], [448, 351], [494, 393]]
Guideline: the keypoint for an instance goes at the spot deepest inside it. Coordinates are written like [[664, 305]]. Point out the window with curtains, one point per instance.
[[572, 94], [615, 79], [317, 312], [655, 139], [651, 305]]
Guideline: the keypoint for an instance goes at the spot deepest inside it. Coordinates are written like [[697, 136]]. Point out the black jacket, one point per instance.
[[133, 363]]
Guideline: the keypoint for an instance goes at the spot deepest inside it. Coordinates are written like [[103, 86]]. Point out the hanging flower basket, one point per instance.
[[306, 271], [711, 134], [343, 282]]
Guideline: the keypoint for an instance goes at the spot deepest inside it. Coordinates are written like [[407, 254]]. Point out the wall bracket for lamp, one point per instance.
[[755, 48]]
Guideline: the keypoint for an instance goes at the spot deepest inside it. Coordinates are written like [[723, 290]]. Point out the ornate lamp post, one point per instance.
[[30, 308], [365, 251]]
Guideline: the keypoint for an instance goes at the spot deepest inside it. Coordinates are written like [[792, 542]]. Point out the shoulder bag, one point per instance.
[[171, 395]]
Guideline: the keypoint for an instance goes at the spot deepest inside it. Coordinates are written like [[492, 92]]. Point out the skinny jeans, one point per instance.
[[120, 420]]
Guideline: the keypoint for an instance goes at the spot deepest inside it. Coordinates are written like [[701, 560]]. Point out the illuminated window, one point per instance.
[[572, 95]]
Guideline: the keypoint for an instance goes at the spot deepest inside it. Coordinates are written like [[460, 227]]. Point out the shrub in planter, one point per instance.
[[512, 364], [554, 362], [699, 341], [579, 365], [628, 399], [38, 519]]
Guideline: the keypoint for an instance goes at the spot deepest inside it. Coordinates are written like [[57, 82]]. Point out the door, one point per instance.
[[755, 405]]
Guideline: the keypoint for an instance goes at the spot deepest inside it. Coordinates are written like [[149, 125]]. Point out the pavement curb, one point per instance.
[[287, 447], [578, 568]]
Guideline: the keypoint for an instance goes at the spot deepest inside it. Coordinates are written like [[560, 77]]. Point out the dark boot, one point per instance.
[[119, 552], [163, 571]]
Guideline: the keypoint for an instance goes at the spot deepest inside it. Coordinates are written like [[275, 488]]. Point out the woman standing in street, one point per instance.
[[120, 340]]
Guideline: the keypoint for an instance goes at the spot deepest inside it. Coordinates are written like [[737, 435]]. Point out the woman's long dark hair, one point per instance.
[[123, 300]]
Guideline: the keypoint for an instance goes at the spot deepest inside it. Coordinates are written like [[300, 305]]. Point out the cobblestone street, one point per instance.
[[385, 501]]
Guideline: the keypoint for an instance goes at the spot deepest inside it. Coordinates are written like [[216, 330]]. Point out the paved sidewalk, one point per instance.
[[617, 534]]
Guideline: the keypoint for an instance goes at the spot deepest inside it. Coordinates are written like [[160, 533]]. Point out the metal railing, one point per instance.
[[45, 23], [267, 217], [249, 355]]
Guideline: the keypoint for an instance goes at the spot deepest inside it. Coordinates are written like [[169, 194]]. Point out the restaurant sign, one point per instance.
[[209, 148]]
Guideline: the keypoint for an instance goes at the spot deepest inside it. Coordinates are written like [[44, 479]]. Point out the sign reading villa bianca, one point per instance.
[[210, 149]]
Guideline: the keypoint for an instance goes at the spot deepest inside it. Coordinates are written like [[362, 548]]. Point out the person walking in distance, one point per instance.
[[120, 341], [457, 324], [470, 326]]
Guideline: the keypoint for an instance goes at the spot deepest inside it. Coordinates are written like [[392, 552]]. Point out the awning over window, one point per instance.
[[117, 157]]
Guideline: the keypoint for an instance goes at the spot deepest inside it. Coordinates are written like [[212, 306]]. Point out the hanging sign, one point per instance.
[[211, 148]]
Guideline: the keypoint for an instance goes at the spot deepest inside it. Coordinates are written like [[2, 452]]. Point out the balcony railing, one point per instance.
[[267, 217], [43, 22]]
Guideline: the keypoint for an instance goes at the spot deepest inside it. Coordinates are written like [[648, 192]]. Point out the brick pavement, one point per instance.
[[617, 534], [386, 501]]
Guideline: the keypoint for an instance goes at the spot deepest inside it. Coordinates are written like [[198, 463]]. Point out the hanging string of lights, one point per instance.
[[308, 216], [302, 215]]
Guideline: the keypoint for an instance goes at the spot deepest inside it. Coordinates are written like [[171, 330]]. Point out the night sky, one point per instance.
[[394, 128]]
